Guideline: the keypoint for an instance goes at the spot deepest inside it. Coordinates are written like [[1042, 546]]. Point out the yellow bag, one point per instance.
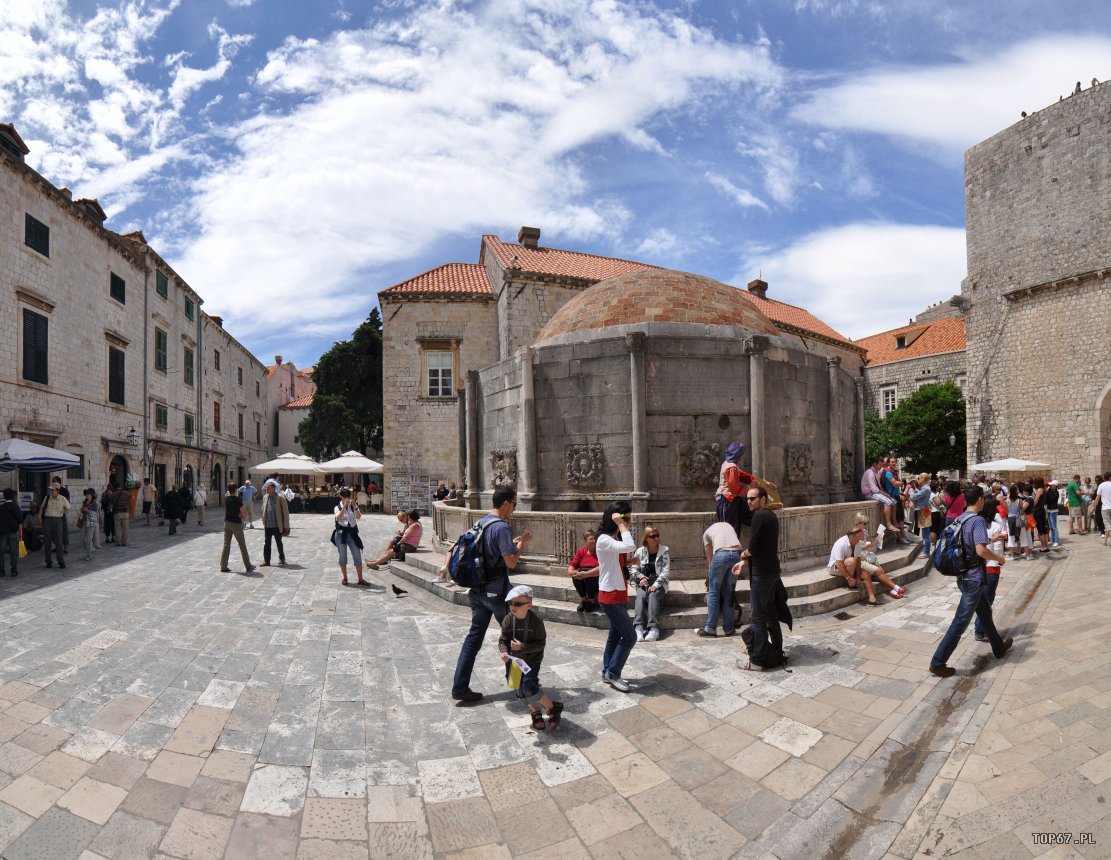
[[514, 676], [22, 550]]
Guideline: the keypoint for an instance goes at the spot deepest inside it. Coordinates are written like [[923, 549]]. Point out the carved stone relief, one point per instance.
[[586, 465], [503, 468], [699, 463], [800, 464]]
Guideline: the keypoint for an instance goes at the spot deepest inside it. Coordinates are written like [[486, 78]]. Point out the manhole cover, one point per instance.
[[843, 616]]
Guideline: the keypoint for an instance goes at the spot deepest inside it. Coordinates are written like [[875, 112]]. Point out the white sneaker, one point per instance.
[[618, 684], [653, 635], [640, 634], [1054, 544]]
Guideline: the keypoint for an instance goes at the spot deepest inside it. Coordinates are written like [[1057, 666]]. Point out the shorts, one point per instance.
[[1076, 513], [883, 498], [147, 507]]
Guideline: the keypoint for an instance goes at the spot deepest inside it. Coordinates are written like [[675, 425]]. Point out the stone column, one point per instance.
[[472, 497], [859, 459], [638, 406], [526, 432], [835, 478], [461, 431], [754, 348]]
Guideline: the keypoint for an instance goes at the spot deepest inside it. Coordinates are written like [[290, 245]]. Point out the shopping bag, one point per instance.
[[514, 676], [22, 550]]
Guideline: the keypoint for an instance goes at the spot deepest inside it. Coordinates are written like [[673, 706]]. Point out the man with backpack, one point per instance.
[[500, 553], [971, 532]]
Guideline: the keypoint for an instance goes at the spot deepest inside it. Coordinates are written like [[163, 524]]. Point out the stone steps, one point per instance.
[[809, 592]]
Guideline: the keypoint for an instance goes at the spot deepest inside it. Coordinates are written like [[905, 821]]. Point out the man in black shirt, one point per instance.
[[11, 530], [765, 584]]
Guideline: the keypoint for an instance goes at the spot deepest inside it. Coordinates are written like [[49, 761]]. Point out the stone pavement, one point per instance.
[[151, 706]]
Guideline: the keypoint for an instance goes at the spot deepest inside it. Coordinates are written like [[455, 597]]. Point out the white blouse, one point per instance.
[[608, 551]]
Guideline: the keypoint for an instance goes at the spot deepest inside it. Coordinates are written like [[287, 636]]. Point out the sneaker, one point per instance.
[[1055, 545], [617, 684], [640, 634], [581, 607], [981, 638], [897, 593], [653, 635], [707, 634]]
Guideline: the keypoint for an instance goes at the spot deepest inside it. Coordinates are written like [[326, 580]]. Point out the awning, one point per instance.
[[31, 457]]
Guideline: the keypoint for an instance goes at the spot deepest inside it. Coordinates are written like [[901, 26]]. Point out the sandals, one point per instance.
[[344, 582], [553, 715], [749, 666], [538, 722], [871, 603]]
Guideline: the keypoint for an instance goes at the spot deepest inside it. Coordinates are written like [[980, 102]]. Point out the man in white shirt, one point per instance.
[[723, 551], [1103, 493], [845, 560]]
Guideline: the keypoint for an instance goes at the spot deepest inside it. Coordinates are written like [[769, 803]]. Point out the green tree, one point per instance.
[[349, 375], [918, 430]]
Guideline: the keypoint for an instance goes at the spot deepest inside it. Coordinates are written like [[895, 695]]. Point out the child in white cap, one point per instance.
[[523, 635]]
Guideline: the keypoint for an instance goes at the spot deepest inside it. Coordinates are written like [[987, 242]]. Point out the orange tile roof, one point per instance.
[[931, 338], [448, 279], [792, 315], [553, 261], [271, 369], [300, 403], [306, 371]]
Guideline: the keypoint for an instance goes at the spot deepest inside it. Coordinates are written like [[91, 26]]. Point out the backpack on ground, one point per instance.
[[468, 557], [948, 554]]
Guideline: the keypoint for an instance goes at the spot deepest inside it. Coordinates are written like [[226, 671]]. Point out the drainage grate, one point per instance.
[[843, 616]]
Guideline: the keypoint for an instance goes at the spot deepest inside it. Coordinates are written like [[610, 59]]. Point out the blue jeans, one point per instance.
[[621, 640], [485, 602], [1054, 537], [991, 584], [973, 600], [719, 597], [10, 544]]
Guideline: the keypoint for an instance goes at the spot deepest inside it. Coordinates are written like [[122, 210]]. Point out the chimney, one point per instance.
[[66, 193], [218, 320], [278, 360], [529, 236], [758, 287]]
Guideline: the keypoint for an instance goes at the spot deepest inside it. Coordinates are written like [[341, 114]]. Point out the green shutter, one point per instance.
[[116, 375], [161, 283], [160, 349], [117, 288], [188, 366], [35, 347]]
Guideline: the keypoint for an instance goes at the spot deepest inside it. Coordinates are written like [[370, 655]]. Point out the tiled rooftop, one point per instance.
[[554, 261], [448, 279], [792, 315], [300, 403], [920, 339]]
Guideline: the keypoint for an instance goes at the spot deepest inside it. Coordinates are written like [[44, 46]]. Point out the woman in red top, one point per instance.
[[583, 571]]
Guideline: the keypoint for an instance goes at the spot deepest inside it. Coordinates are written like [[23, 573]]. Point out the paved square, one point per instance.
[[150, 705]]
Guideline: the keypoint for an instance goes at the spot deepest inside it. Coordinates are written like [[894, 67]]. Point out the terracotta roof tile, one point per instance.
[[271, 369], [792, 315], [932, 338], [300, 403], [448, 279], [553, 261]]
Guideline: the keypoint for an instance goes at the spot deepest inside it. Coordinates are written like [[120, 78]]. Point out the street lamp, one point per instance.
[[132, 437], [952, 440]]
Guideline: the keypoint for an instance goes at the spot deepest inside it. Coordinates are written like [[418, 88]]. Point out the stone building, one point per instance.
[[108, 354], [468, 325], [289, 394], [929, 349], [1038, 200]]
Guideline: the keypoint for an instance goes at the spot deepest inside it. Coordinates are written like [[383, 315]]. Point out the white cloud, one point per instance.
[[957, 104], [188, 80], [864, 278], [657, 245], [742, 197]]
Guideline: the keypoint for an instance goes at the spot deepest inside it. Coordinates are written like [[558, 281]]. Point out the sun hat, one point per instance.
[[735, 451]]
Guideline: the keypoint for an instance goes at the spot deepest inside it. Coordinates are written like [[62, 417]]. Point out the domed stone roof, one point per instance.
[[657, 296]]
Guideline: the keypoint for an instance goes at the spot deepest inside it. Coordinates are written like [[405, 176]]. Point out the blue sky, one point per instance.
[[290, 159]]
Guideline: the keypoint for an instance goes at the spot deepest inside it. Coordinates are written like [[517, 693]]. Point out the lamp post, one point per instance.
[[132, 437]]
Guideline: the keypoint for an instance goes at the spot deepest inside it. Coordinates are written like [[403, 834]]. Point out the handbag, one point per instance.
[[22, 549], [924, 518]]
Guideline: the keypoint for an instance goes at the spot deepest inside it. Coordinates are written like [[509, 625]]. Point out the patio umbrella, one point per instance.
[[1010, 464], [21, 454], [288, 464], [352, 461]]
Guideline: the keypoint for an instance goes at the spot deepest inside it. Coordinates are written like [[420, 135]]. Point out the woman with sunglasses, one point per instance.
[[650, 569], [614, 544]]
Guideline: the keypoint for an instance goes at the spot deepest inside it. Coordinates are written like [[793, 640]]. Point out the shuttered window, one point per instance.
[[36, 235], [115, 375], [216, 417], [161, 345], [188, 366], [161, 284], [117, 288], [35, 347], [190, 308], [161, 416]]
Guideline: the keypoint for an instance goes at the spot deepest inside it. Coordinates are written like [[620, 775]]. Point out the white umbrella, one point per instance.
[[288, 464], [1010, 464], [352, 461], [21, 454]]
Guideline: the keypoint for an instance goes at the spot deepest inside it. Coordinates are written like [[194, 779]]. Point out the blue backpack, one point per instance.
[[468, 567], [948, 554]]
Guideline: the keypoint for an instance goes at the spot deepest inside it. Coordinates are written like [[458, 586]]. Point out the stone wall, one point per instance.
[[421, 436], [1038, 205], [911, 374]]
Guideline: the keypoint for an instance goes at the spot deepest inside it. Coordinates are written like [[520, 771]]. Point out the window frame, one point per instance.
[[115, 281], [161, 350], [215, 416], [190, 309], [77, 471], [161, 416], [439, 349], [216, 359], [42, 351], [122, 361], [239, 376], [189, 424], [188, 365], [239, 415], [33, 231], [258, 432], [161, 283], [893, 391]]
